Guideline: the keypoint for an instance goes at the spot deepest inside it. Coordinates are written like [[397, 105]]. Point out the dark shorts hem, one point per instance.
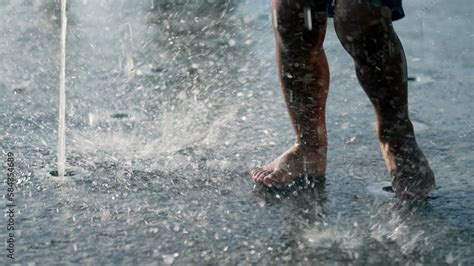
[[394, 5]]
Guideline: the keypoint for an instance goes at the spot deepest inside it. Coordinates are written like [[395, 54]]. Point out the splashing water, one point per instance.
[[307, 18], [62, 95], [161, 150]]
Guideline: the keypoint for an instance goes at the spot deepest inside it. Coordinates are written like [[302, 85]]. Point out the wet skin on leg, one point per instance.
[[304, 76], [366, 32]]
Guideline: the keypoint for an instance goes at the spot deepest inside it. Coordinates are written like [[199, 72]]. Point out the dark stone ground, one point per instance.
[[171, 103]]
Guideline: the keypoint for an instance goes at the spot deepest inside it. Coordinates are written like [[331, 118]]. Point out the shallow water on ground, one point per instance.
[[170, 103]]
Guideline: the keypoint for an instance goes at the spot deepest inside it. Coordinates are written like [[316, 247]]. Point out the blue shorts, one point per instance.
[[394, 5]]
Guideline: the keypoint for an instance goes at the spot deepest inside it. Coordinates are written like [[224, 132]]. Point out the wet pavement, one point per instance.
[[170, 103]]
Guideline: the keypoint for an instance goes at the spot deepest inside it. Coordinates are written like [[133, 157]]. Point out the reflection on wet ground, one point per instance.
[[170, 103]]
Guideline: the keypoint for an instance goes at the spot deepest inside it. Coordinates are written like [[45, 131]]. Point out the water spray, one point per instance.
[[62, 94]]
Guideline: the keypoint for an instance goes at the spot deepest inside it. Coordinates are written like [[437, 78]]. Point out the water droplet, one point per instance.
[[169, 259]]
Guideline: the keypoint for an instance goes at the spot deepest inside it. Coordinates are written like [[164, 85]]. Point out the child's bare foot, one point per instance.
[[296, 161], [410, 172]]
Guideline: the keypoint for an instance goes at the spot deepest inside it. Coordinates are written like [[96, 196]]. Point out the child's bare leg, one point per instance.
[[304, 76], [366, 32]]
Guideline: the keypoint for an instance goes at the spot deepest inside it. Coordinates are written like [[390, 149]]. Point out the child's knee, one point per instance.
[[299, 25], [362, 28]]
